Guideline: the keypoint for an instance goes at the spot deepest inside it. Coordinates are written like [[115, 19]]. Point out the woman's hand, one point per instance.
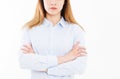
[[75, 52], [27, 49]]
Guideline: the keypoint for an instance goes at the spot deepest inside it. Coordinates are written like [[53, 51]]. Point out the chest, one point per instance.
[[52, 41]]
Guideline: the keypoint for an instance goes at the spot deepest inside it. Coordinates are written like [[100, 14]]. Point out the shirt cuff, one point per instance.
[[52, 61], [50, 72]]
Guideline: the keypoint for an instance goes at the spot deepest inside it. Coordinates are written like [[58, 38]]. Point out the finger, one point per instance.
[[83, 48], [27, 46], [80, 48], [24, 51], [77, 47], [81, 54], [85, 53], [27, 52]]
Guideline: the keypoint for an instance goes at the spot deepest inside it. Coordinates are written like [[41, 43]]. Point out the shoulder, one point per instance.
[[25, 30], [28, 30], [76, 28]]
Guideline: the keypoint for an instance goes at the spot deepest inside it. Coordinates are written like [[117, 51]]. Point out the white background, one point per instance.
[[100, 18]]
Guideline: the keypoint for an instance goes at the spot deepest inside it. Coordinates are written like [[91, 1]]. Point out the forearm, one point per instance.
[[76, 66], [37, 62], [42, 63], [62, 59]]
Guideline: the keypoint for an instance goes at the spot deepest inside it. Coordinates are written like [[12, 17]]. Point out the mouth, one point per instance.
[[53, 8]]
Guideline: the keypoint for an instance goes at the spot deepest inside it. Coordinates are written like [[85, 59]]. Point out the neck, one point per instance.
[[53, 18]]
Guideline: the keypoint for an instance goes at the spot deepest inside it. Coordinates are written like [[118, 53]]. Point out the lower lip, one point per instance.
[[53, 8]]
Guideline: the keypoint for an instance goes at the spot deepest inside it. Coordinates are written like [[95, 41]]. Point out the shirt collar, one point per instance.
[[62, 22]]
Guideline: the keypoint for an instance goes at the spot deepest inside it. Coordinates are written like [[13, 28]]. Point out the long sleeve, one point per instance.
[[34, 61], [76, 66]]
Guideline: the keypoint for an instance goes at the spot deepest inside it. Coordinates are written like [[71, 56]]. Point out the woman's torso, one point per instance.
[[51, 40]]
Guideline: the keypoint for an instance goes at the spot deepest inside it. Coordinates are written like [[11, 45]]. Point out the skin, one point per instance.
[[75, 52], [53, 9]]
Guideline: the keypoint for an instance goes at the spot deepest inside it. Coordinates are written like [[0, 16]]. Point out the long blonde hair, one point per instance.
[[40, 14]]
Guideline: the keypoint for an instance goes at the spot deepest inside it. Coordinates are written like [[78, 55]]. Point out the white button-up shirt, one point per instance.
[[48, 42]]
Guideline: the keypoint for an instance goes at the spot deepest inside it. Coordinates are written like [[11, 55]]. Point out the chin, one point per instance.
[[54, 13]]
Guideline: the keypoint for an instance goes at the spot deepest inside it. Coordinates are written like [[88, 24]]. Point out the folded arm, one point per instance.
[[42, 63], [76, 66], [34, 61]]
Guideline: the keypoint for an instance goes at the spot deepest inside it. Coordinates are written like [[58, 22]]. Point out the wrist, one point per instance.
[[62, 59], [68, 58]]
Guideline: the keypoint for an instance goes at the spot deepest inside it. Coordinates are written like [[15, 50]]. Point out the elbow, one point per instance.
[[25, 61], [22, 63], [28, 62], [82, 71], [82, 66]]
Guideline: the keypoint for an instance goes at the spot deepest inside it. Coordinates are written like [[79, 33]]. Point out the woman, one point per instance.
[[53, 42]]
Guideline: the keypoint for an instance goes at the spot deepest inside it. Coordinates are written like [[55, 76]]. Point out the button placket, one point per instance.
[[52, 39]]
